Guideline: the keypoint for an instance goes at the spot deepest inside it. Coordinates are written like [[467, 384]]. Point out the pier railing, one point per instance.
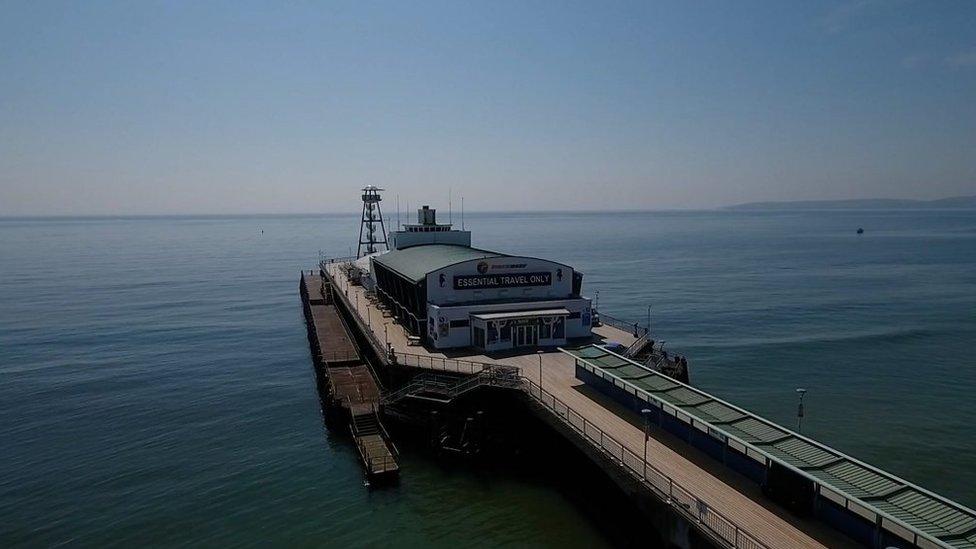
[[400, 358], [365, 327], [383, 463], [679, 498], [629, 327], [329, 260], [450, 387], [343, 356], [683, 500]]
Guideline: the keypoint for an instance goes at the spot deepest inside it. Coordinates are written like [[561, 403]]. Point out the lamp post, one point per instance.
[[646, 412], [799, 410], [540, 373], [386, 336], [648, 319]]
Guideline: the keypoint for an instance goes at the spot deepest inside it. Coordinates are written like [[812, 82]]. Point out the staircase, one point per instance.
[[377, 451], [439, 388], [365, 424], [643, 351]]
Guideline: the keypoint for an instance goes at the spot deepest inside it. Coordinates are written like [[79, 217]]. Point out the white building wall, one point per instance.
[[442, 336], [442, 290], [405, 239]]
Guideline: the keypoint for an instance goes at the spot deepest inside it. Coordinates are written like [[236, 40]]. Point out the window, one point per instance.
[[574, 315], [506, 333], [545, 331], [558, 328]]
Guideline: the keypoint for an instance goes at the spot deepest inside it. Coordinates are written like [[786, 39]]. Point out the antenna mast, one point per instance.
[[372, 216]]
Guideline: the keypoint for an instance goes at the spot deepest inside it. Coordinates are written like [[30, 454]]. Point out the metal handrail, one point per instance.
[[495, 375], [637, 345], [364, 328], [342, 259], [673, 493], [403, 358], [334, 356], [398, 304], [629, 327], [368, 458]]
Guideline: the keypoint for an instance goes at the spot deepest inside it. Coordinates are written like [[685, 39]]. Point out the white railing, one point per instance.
[[682, 500], [629, 327], [400, 358], [693, 508]]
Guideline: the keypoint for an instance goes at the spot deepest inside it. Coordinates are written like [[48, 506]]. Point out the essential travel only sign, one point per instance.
[[481, 282]]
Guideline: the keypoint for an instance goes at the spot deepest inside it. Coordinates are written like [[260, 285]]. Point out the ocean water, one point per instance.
[[156, 387]]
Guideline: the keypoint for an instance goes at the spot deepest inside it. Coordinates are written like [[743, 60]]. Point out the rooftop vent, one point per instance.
[[427, 215]]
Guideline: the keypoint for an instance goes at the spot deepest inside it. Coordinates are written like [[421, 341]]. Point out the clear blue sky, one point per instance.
[[226, 107]]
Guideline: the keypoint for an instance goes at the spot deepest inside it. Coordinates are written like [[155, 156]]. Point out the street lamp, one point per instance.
[[799, 410], [540, 373], [646, 412], [648, 319]]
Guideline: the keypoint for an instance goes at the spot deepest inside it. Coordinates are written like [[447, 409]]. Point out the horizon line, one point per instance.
[[728, 209]]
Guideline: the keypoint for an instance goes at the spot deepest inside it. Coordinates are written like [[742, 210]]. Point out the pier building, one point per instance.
[[703, 471], [451, 295]]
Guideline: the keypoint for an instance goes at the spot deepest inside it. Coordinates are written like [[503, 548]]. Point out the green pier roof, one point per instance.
[[905, 509], [415, 262]]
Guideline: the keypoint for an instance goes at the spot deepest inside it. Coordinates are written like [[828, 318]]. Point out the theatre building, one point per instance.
[[452, 295]]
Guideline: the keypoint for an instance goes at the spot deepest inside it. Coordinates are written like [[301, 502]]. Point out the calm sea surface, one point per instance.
[[156, 387]]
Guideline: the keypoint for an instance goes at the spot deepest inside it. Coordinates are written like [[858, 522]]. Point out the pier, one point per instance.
[[725, 509], [352, 389], [440, 319], [705, 501]]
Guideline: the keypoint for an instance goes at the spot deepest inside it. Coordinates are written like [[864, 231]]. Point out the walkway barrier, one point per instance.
[[364, 327], [342, 356], [683, 501], [399, 358], [629, 327], [451, 387], [329, 260]]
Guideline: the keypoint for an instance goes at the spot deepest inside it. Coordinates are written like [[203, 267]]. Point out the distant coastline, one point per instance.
[[955, 202]]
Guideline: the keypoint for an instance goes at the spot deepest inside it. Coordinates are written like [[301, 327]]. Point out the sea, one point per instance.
[[156, 386]]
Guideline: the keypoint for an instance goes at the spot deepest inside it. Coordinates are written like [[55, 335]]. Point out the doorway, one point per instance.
[[526, 336]]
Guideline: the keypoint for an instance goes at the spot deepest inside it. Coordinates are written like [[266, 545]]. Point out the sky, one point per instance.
[[128, 108]]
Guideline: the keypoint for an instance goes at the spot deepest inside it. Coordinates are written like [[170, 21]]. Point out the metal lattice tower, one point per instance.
[[372, 216]]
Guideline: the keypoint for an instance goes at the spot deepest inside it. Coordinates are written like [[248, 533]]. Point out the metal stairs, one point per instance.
[[444, 389], [377, 451]]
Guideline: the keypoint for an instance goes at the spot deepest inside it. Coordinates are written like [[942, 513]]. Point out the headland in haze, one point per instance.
[[955, 202]]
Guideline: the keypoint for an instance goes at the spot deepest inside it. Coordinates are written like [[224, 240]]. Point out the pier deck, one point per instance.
[[729, 494], [351, 383]]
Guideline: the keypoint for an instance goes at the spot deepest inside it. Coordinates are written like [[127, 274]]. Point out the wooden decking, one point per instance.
[[732, 495], [335, 342], [352, 386]]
